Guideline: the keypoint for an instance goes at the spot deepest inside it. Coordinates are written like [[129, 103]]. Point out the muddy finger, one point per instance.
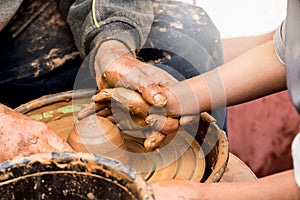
[[92, 108], [153, 94], [162, 123], [104, 112], [189, 120], [130, 100], [86, 111], [154, 141], [103, 95]]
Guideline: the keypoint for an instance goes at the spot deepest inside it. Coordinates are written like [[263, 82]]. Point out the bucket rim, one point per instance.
[[60, 159]]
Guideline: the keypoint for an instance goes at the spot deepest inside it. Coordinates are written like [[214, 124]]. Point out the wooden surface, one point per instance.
[[237, 171]]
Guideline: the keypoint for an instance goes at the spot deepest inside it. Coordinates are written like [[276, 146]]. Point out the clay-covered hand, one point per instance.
[[21, 135], [178, 189], [115, 66], [131, 112]]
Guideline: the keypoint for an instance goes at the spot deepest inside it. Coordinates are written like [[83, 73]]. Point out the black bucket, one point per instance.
[[70, 176]]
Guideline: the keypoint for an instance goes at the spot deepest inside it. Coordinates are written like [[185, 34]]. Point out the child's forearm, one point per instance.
[[281, 186], [252, 75], [233, 47]]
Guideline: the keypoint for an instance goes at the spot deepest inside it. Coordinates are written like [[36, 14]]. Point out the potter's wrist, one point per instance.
[[109, 51], [119, 60], [114, 55]]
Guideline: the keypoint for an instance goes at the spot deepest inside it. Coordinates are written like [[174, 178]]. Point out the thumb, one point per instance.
[[153, 94], [45, 147], [54, 142]]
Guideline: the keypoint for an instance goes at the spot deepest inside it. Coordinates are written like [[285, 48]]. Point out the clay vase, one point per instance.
[[97, 135]]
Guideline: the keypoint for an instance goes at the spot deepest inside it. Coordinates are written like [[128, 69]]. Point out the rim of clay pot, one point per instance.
[[212, 145], [52, 98], [23, 167], [221, 162]]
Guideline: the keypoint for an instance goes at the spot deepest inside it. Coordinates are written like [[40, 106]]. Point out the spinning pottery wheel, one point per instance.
[[188, 164], [203, 158]]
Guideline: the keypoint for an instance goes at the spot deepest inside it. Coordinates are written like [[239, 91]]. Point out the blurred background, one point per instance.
[[236, 18]]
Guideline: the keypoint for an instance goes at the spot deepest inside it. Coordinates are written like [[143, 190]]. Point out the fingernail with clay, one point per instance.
[[160, 100], [151, 121]]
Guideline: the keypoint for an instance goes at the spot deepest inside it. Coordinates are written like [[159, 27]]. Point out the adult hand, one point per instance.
[[115, 66], [21, 135], [131, 112]]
